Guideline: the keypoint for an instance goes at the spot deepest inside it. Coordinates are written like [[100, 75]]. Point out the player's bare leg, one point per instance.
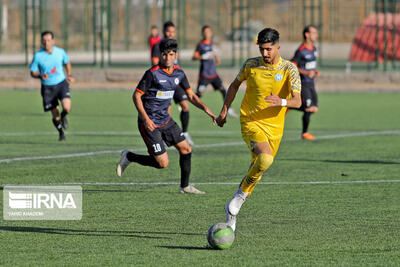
[[57, 123], [162, 160], [55, 113], [306, 121], [66, 104], [185, 155]]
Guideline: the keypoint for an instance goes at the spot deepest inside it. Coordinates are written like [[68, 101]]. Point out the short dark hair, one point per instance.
[[205, 27], [46, 33], [167, 45], [167, 24], [268, 35], [307, 29]]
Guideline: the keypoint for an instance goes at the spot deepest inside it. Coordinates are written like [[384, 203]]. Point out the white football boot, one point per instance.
[[188, 138], [230, 219], [190, 189], [237, 201], [123, 163]]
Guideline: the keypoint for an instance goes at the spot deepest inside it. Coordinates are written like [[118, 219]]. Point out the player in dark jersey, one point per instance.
[[208, 61], [152, 99], [48, 65], [180, 97], [305, 58]]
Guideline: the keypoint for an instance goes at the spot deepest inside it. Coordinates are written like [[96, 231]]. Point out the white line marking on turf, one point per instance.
[[343, 135], [135, 133], [62, 156], [222, 183], [233, 183], [84, 154], [368, 133], [100, 133]]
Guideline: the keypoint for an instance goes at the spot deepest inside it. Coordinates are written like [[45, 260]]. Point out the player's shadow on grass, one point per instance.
[[113, 191], [187, 247], [83, 232], [348, 161]]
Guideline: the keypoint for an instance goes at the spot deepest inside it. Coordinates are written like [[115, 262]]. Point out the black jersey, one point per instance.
[[158, 88], [207, 66], [305, 58]]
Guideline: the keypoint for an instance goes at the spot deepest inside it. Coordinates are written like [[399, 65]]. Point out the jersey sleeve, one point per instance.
[[145, 83], [198, 49], [65, 57], [295, 82], [34, 67], [185, 84], [242, 75], [296, 58]]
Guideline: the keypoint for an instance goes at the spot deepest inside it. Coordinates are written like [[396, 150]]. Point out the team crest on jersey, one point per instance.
[[176, 81], [278, 77]]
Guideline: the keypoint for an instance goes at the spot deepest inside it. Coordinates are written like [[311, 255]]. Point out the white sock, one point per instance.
[[241, 194]]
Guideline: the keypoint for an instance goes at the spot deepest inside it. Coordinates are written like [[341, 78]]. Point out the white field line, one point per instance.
[[111, 133], [69, 133], [219, 183], [366, 133], [343, 135], [127, 133], [232, 183]]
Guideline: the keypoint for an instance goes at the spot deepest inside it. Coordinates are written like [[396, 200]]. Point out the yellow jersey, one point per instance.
[[261, 80]]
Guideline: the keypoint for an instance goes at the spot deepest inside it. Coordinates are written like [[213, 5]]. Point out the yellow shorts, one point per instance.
[[253, 132]]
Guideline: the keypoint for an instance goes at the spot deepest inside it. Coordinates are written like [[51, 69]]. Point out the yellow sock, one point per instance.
[[254, 175]]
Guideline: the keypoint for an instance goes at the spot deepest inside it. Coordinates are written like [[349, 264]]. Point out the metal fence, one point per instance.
[[114, 32]]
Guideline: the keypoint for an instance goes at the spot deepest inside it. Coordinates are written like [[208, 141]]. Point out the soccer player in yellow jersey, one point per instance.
[[272, 85]]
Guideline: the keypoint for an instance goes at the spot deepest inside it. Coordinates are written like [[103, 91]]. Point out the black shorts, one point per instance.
[[309, 96], [52, 93], [216, 83], [170, 133], [180, 95]]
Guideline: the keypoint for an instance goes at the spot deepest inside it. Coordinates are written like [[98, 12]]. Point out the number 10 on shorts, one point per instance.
[[156, 147]]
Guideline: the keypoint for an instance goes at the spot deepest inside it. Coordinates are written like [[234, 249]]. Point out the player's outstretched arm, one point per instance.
[[230, 96], [276, 101], [195, 100], [137, 100]]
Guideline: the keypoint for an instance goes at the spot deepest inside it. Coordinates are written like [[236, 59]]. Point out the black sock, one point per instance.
[[57, 124], [185, 163], [306, 121], [185, 120], [223, 92], [64, 113], [145, 160]]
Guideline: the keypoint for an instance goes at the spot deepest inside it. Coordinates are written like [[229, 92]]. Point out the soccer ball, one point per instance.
[[220, 236]]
